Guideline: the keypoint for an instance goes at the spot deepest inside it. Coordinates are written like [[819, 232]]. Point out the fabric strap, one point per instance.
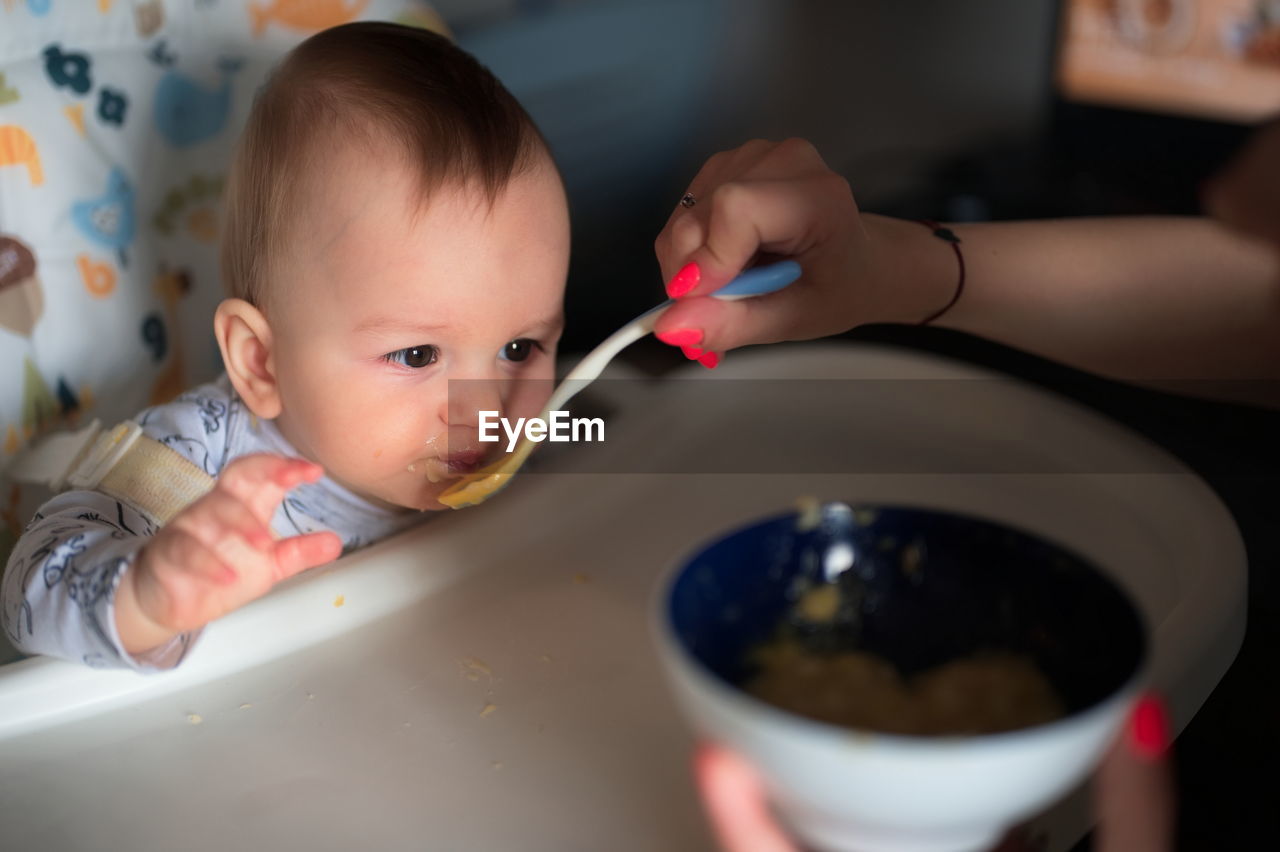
[[122, 463]]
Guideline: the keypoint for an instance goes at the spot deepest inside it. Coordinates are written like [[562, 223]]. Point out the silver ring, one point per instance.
[[688, 200]]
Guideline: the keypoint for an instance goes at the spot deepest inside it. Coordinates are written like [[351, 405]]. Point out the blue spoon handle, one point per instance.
[[760, 280], [754, 282]]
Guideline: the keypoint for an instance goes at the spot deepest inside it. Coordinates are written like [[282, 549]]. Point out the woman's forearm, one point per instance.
[[1147, 299]]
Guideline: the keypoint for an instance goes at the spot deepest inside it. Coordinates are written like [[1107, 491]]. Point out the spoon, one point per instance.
[[473, 489], [830, 591]]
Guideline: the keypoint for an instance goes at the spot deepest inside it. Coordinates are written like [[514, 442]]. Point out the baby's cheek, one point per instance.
[[383, 439], [341, 420]]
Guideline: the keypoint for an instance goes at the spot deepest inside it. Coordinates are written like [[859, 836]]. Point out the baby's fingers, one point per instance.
[[220, 516], [179, 557], [226, 526], [297, 554], [169, 590], [260, 481]]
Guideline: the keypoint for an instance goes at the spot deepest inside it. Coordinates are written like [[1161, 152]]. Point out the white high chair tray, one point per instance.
[[488, 681]]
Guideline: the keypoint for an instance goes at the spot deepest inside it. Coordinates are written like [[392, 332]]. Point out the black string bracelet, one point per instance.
[[946, 235]]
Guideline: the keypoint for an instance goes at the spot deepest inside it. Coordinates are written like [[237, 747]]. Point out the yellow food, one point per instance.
[[819, 604], [982, 694], [473, 489], [473, 492], [808, 514]]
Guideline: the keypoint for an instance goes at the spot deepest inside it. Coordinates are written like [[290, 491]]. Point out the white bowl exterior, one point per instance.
[[846, 790]]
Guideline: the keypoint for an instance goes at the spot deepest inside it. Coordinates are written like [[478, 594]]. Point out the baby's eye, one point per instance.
[[520, 350], [415, 356]]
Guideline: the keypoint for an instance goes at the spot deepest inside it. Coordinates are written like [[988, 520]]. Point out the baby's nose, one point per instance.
[[472, 401]]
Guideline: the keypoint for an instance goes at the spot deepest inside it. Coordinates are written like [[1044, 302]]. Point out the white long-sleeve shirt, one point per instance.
[[58, 592]]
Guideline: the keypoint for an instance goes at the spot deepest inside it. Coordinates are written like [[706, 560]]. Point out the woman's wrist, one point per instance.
[[916, 274]]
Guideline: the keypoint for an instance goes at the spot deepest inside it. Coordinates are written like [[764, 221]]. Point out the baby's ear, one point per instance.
[[244, 336]]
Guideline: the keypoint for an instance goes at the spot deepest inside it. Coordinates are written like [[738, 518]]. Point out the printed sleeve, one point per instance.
[[197, 425], [57, 595]]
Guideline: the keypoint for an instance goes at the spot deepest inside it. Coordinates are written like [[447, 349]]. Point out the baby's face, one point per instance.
[[380, 311]]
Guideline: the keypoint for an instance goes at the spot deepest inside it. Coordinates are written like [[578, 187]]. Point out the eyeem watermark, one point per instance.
[[560, 427]]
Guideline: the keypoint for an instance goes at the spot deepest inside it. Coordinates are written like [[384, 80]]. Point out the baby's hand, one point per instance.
[[218, 554]]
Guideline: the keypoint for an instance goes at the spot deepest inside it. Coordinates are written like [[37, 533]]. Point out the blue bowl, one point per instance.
[[973, 586], [934, 587]]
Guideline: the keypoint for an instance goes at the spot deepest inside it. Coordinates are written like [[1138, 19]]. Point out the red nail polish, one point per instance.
[[1149, 728], [693, 353], [686, 279], [680, 336], [710, 360]]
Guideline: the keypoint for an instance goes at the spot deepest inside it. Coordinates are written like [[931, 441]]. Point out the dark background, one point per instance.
[[931, 110]]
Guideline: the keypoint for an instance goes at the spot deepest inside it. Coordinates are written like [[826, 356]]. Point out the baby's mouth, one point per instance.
[[451, 466], [464, 461]]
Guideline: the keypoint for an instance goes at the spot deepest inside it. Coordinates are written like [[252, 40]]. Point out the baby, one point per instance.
[[394, 222]]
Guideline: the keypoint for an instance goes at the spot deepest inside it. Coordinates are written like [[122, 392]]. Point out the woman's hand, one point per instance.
[[1133, 795], [768, 200]]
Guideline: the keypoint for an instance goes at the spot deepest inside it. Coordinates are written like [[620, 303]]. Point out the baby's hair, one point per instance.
[[366, 82]]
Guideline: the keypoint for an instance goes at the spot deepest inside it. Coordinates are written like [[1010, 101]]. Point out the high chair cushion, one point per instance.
[[117, 123]]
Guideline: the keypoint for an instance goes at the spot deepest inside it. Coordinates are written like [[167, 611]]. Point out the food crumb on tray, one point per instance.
[[487, 709], [473, 668], [476, 664]]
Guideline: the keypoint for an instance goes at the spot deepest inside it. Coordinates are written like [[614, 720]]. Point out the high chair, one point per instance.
[[485, 681]]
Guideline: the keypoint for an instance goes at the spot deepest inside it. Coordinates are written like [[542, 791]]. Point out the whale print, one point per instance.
[[109, 219], [187, 113]]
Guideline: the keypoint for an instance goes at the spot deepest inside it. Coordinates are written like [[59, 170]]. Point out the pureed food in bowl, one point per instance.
[[984, 694], [918, 600], [933, 624]]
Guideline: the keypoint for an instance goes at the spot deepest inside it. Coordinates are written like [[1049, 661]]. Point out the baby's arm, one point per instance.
[[92, 580], [57, 591], [218, 554]]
